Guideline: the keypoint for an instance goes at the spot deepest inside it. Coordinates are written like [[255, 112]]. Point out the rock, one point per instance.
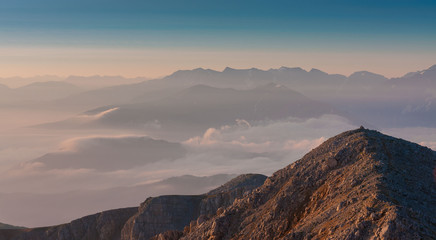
[[370, 191], [332, 163], [160, 214], [201, 219], [168, 235], [100, 226], [340, 206]]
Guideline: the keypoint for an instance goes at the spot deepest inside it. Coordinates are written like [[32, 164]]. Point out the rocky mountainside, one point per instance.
[[104, 225], [154, 216], [157, 215], [360, 184]]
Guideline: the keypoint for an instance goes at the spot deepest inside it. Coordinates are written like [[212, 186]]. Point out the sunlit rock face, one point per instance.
[[161, 214], [360, 184], [104, 225]]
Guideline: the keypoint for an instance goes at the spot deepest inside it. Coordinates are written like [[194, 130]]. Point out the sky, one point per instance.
[[154, 38]]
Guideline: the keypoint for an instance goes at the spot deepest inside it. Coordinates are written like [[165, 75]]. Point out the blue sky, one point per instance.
[[295, 27]]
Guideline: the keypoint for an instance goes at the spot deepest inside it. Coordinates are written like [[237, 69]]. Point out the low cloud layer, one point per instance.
[[263, 146], [110, 153], [90, 164], [101, 162], [291, 135]]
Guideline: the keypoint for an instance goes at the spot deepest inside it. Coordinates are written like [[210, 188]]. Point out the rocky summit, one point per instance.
[[360, 184]]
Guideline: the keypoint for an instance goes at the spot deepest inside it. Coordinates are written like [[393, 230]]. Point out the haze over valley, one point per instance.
[[200, 122]]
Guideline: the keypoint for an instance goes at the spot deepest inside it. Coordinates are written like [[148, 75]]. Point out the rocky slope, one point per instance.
[[154, 216], [360, 184], [157, 215], [104, 225]]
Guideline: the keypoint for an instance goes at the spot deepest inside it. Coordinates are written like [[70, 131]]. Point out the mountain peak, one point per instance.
[[365, 74], [360, 184], [428, 73], [317, 71], [228, 69]]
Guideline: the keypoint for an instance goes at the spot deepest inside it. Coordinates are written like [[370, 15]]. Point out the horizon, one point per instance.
[[212, 69]]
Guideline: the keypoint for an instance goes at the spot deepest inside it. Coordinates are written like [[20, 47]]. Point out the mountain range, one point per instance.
[[410, 99], [406, 101], [193, 110]]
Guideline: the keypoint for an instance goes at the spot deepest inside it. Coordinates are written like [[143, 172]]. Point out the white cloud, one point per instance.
[[87, 118], [262, 147], [110, 153], [274, 136]]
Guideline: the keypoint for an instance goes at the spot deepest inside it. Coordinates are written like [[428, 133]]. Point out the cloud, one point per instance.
[[91, 117], [110, 153], [101, 114], [126, 169], [217, 139], [270, 136], [261, 147], [98, 161]]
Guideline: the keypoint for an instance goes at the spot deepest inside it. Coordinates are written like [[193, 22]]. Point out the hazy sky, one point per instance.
[[154, 38]]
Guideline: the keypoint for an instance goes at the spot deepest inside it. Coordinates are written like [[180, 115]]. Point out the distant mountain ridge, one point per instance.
[[362, 94], [295, 78], [398, 95], [41, 90], [85, 82], [199, 107], [37, 91]]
